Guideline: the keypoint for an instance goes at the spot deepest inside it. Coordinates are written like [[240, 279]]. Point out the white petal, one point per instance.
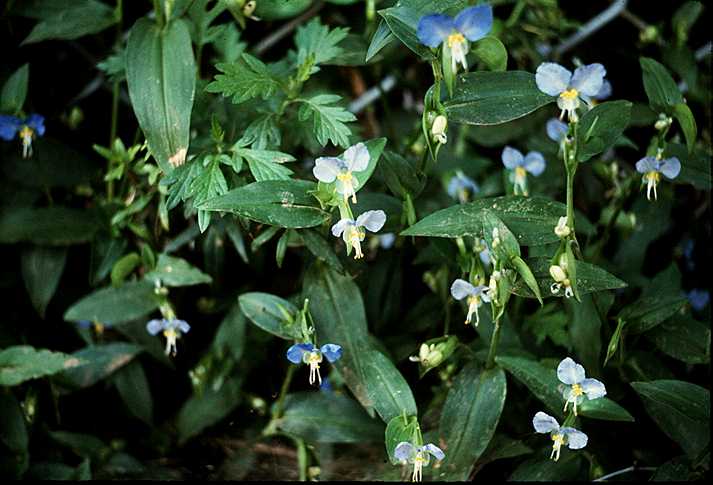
[[593, 388], [570, 372], [340, 227], [461, 288], [575, 439], [326, 169], [544, 423], [372, 220], [357, 157]]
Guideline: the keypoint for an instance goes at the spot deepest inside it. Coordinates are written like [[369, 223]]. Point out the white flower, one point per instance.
[[351, 230], [572, 374], [562, 229], [476, 295], [329, 169], [573, 438]]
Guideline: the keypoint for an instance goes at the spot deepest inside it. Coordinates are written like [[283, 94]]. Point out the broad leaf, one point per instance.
[[600, 128], [271, 313], [172, 271], [110, 306], [386, 387], [590, 278], [72, 20], [98, 362], [22, 363]]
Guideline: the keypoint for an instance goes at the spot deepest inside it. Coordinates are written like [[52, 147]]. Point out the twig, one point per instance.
[[286, 29], [632, 468], [372, 94]]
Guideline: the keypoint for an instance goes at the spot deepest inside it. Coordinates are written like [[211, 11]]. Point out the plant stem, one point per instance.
[[570, 198], [490, 363], [279, 406]]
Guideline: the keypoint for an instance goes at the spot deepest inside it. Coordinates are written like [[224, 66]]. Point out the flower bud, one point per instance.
[[439, 129]]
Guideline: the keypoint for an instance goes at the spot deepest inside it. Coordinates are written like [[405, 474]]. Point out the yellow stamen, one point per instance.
[[26, 134], [454, 39], [355, 238], [569, 94], [652, 179], [558, 442], [348, 181]]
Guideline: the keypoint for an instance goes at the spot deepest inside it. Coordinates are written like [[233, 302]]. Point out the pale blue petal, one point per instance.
[[556, 129], [404, 451], [534, 163], [475, 22], [485, 257], [387, 240], [435, 451], [485, 293], [461, 288], [9, 126], [37, 123], [295, 352], [357, 158], [604, 92], [544, 423], [647, 164], [331, 351], [670, 167], [183, 326], [341, 226], [593, 388], [552, 79], [326, 169], [155, 326], [569, 372], [372, 220], [588, 79], [576, 440], [434, 29], [698, 298], [512, 157]]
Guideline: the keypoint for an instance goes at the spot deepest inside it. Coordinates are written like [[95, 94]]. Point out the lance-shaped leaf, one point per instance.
[[22, 363], [386, 387], [600, 128], [161, 75], [590, 278], [115, 305], [271, 313]]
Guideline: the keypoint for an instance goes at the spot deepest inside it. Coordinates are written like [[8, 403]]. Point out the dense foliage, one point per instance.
[[240, 239]]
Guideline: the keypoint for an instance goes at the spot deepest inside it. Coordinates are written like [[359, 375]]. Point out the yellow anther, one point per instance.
[[569, 94], [454, 39]]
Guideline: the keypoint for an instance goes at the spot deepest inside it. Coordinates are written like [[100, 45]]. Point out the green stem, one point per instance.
[[159, 12], [570, 198], [279, 406], [490, 363]]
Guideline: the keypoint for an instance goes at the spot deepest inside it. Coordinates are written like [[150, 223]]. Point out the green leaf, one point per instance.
[[469, 418], [507, 247], [491, 98], [685, 118], [681, 409], [42, 269], [280, 9], [134, 390], [661, 89], [230, 337], [266, 164], [386, 387], [284, 203], [542, 469], [271, 313], [492, 53], [98, 362], [13, 435], [172, 271], [161, 75], [543, 383], [401, 176], [124, 267], [319, 417], [683, 338], [695, 166], [244, 79], [585, 330], [336, 305], [22, 363], [531, 219], [526, 274], [72, 20], [208, 184], [381, 38], [115, 305], [14, 91], [208, 408], [402, 21], [600, 127], [590, 278], [398, 429], [321, 249], [316, 41], [53, 226], [328, 121]]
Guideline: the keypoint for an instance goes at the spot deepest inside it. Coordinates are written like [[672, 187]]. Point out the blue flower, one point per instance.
[[307, 353], [483, 252], [461, 187], [33, 125], [475, 296], [653, 167], [555, 80], [328, 169], [698, 299], [513, 160], [556, 130], [472, 23], [419, 456], [574, 439], [572, 374], [387, 240], [351, 230], [172, 330]]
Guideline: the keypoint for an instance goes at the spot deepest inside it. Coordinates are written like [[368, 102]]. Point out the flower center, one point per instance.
[[653, 176], [314, 358], [26, 133], [569, 94], [345, 177], [455, 39], [520, 172], [577, 390]]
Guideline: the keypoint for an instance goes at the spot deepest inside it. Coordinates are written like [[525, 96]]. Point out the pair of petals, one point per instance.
[[356, 159], [571, 373], [296, 352], [461, 289], [473, 23], [10, 125], [372, 220], [407, 452], [544, 423], [156, 326], [670, 167], [553, 79], [533, 162]]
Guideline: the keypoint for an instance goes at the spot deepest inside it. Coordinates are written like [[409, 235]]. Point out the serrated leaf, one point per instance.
[[245, 79], [317, 40], [328, 121], [266, 164], [23, 363]]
